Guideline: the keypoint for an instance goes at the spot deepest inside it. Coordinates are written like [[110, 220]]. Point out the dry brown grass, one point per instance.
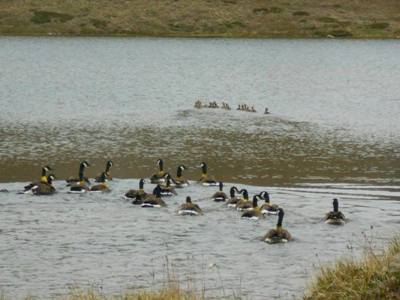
[[375, 277], [221, 18]]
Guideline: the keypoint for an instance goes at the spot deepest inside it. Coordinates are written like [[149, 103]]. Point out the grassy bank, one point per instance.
[[203, 18], [375, 277]]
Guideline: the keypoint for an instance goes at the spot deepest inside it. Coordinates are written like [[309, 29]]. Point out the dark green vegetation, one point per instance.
[[202, 18]]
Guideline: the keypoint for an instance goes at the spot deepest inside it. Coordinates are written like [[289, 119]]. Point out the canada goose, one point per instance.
[[233, 200], [252, 109], [189, 208], [80, 186], [255, 212], [205, 179], [82, 166], [45, 188], [267, 207], [278, 235], [43, 179], [159, 176], [109, 164], [102, 186], [335, 217], [220, 196], [244, 203], [167, 189], [180, 181], [154, 200], [266, 112], [138, 195], [198, 104]]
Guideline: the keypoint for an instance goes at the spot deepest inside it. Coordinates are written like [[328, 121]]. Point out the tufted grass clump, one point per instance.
[[374, 277], [41, 17]]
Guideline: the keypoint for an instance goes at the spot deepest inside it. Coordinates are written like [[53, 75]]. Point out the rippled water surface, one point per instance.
[[333, 131], [51, 243]]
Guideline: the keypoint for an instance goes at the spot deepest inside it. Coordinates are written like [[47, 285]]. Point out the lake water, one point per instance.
[[333, 131]]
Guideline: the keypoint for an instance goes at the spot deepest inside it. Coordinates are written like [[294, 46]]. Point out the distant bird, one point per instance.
[[73, 180], [80, 186], [335, 217], [253, 213], [159, 176], [233, 200], [267, 207], [189, 208], [180, 181], [154, 200], [205, 179], [43, 179], [102, 186], [167, 189], [45, 188], [244, 203], [109, 164], [137, 195], [278, 235], [220, 196]]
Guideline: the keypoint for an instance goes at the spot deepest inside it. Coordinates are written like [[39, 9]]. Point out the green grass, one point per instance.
[[374, 277], [199, 18]]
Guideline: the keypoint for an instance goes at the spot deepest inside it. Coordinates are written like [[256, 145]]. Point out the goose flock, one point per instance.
[[166, 185], [224, 105]]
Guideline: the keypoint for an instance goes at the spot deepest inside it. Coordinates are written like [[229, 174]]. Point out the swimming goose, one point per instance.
[[278, 235], [80, 186], [43, 179], [159, 176], [189, 208], [220, 196], [244, 203], [253, 213], [180, 181], [138, 195], [167, 189], [45, 188], [154, 200], [267, 207], [335, 217], [233, 200], [107, 171], [102, 186], [82, 166], [205, 179]]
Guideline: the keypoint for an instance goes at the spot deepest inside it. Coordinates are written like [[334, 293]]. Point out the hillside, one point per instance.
[[198, 18]]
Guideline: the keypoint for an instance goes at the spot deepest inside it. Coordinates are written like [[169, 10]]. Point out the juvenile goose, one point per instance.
[[189, 208], [102, 186], [278, 235], [255, 212], [43, 179], [82, 166], [167, 189], [205, 179], [180, 181], [154, 200], [244, 203], [109, 164], [267, 207], [45, 188], [335, 217], [138, 195], [220, 196], [233, 200], [159, 176]]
